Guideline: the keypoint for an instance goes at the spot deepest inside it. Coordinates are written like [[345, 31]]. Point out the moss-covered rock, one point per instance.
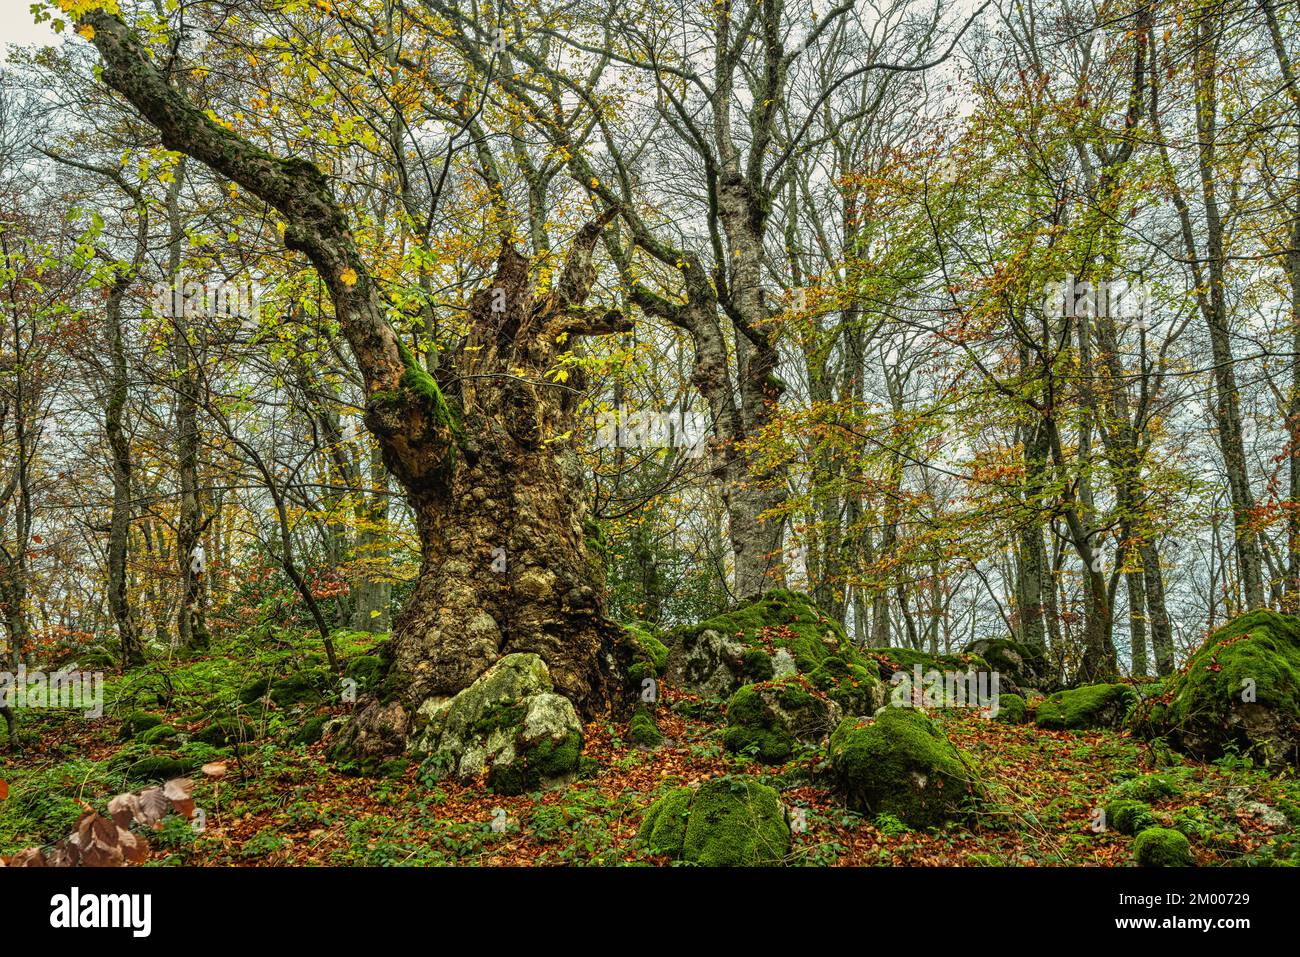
[[892, 661], [777, 634], [900, 763], [1148, 787], [367, 671], [1011, 709], [138, 721], [508, 723], [226, 730], [642, 729], [1128, 816], [1240, 691], [768, 720], [727, 822], [1162, 847], [647, 646], [312, 730], [1088, 706], [158, 734], [1021, 667]]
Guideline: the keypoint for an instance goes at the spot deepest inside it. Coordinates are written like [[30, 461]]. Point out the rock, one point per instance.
[[159, 734], [138, 721], [226, 730], [1089, 706], [1240, 691], [366, 671], [727, 822], [778, 634], [1021, 667], [1265, 815], [1129, 817], [901, 764], [1011, 709], [642, 730], [767, 720], [1162, 847], [649, 654], [508, 723]]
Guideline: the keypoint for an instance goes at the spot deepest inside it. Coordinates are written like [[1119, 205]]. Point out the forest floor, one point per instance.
[[285, 803]]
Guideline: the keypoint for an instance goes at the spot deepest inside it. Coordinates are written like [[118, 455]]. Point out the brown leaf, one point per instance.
[[151, 807], [123, 809]]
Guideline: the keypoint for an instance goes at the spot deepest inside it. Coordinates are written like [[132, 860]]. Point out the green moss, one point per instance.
[[547, 760], [157, 768], [1016, 662], [138, 721], [642, 730], [1129, 817], [312, 730], [663, 828], [650, 647], [780, 619], [754, 728], [497, 717], [1089, 706], [366, 671], [1011, 709], [1149, 787], [892, 660], [899, 764], [1209, 703], [1162, 847], [225, 730], [158, 734], [736, 822], [254, 691], [417, 380]]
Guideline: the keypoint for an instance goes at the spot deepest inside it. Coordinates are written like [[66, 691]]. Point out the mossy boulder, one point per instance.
[[1162, 847], [509, 723], [1088, 706], [769, 719], [1021, 667], [226, 730], [890, 662], [642, 730], [158, 734], [1011, 709], [1128, 816], [900, 763], [313, 729], [367, 671], [726, 822], [136, 722], [778, 634], [305, 687], [1240, 691]]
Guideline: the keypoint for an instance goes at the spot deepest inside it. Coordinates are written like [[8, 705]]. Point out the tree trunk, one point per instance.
[[119, 534], [487, 465]]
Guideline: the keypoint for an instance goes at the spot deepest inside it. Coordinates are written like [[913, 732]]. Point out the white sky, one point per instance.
[[17, 26]]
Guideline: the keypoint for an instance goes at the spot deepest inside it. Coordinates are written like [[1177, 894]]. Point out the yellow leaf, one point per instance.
[[348, 277]]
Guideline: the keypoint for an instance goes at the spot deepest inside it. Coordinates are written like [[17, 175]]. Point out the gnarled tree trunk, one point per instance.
[[483, 453]]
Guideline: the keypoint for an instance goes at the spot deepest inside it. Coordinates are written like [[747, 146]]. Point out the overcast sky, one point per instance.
[[16, 26]]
